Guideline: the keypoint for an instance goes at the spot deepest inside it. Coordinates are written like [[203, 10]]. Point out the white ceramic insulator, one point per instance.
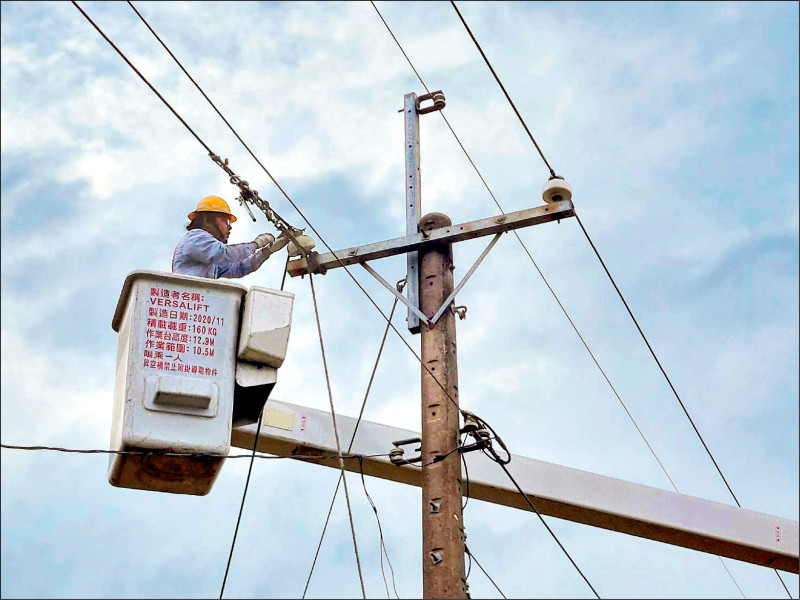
[[556, 190]]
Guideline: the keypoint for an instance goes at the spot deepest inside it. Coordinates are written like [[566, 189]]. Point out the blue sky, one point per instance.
[[676, 125]]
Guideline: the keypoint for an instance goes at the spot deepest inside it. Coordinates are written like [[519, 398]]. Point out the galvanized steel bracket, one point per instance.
[[452, 296]]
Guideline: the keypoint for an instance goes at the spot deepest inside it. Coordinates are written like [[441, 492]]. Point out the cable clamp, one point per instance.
[[461, 311], [397, 453], [484, 436], [436, 97]]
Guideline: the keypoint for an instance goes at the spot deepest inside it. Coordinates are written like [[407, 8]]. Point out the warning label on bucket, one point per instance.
[[181, 330]]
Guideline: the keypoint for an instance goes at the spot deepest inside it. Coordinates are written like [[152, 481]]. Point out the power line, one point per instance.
[[250, 469], [300, 457], [218, 112], [336, 432], [672, 387], [658, 362], [130, 64], [168, 105], [276, 184], [502, 87], [471, 558], [541, 518], [530, 256], [536, 266], [241, 507], [352, 439], [382, 550]]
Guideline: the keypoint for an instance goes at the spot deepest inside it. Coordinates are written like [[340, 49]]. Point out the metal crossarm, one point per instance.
[[444, 235]]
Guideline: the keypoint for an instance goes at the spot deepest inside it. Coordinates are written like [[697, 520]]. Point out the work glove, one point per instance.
[[279, 243], [263, 239]]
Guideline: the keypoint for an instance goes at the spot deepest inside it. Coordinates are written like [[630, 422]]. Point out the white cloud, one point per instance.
[[654, 118]]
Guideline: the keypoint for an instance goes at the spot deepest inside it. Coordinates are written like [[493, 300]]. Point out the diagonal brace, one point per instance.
[[399, 296], [450, 298]]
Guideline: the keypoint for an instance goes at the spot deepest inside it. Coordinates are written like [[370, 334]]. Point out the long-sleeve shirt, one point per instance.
[[201, 254]]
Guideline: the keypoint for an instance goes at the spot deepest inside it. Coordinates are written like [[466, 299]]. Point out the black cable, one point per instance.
[[241, 507], [168, 105], [380, 532], [672, 387], [530, 256], [784, 585], [649, 347], [350, 447], [220, 115], [502, 87], [321, 239], [471, 558], [143, 78], [541, 518], [189, 454], [466, 478], [250, 469], [322, 537]]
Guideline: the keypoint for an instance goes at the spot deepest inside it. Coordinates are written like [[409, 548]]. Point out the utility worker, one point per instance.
[[204, 250]]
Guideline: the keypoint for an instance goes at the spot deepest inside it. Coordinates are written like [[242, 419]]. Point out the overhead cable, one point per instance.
[[319, 236], [672, 387], [502, 87], [336, 432], [272, 213], [541, 274], [658, 362], [249, 470], [552, 172], [541, 518], [530, 256], [400, 285], [471, 558], [241, 506], [213, 156], [382, 549], [315, 458]]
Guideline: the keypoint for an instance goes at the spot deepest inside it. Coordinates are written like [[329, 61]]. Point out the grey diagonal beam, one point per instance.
[[447, 235], [555, 490]]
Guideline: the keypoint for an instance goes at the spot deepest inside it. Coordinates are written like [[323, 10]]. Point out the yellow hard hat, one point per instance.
[[212, 204]]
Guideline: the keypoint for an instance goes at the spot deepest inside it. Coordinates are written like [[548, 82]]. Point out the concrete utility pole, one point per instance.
[[557, 491], [430, 293], [443, 572]]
